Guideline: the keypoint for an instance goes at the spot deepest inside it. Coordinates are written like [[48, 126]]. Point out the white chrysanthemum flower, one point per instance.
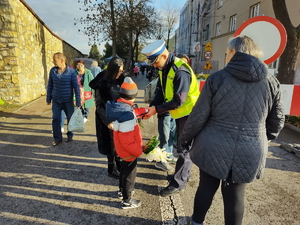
[[157, 154]]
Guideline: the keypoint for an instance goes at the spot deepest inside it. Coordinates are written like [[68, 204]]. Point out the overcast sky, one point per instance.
[[59, 16]]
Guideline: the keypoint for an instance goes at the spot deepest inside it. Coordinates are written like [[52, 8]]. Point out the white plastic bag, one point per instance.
[[76, 123], [150, 91]]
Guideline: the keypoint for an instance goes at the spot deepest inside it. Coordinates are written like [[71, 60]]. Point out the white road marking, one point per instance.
[[171, 208]]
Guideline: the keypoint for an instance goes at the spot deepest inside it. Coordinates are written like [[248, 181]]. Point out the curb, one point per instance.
[[293, 148], [292, 127], [28, 104]]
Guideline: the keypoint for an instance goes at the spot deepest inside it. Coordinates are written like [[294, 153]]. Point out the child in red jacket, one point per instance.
[[127, 139]]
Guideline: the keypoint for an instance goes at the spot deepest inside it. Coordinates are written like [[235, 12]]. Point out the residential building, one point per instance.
[[183, 34], [195, 28], [205, 22], [230, 14]]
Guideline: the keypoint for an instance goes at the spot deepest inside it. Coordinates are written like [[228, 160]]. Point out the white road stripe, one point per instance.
[[172, 211]]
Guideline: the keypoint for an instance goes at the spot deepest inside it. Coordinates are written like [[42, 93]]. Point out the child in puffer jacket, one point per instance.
[[127, 139]]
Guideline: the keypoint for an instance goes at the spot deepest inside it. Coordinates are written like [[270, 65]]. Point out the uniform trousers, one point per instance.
[[184, 162]]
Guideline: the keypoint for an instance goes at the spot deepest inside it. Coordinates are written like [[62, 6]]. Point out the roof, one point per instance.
[[42, 22]]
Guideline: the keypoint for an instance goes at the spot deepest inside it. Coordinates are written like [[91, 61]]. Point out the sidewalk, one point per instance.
[[35, 107], [68, 184]]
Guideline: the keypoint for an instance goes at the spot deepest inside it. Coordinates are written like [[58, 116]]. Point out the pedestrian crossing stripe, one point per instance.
[[207, 66]]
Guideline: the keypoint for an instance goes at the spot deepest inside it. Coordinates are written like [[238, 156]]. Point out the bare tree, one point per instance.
[[288, 59], [101, 21], [161, 28], [170, 16], [138, 19], [113, 27], [119, 21]]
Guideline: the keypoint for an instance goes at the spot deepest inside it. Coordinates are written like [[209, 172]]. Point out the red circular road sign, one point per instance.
[[208, 55], [268, 33]]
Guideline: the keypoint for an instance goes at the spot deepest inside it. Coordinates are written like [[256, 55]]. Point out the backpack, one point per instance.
[[150, 91]]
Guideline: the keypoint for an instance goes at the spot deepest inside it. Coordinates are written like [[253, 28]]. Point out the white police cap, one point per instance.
[[154, 49]]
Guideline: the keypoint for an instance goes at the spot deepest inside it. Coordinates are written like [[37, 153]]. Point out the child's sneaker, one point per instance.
[[163, 166], [172, 159], [120, 195], [133, 203], [62, 130]]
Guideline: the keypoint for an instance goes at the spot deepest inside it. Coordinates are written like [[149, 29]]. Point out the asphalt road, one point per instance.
[[68, 184]]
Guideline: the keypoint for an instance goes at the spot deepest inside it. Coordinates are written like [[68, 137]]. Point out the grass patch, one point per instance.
[[7, 109], [294, 120]]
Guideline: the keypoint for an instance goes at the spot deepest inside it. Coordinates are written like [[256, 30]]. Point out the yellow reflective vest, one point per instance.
[[193, 94]]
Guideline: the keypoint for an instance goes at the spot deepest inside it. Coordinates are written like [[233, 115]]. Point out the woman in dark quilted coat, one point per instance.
[[106, 85], [238, 112]]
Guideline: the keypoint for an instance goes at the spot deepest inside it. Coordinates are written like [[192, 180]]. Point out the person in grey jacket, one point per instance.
[[238, 112]]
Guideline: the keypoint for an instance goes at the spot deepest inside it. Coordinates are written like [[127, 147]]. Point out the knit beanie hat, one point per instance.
[[128, 89]]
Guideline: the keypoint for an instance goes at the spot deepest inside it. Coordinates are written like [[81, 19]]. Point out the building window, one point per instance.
[[232, 23], [206, 32], [218, 29], [220, 3], [254, 10], [208, 4], [274, 65]]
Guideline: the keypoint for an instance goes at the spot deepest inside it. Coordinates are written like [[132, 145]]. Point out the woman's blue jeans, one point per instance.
[[166, 131], [63, 117]]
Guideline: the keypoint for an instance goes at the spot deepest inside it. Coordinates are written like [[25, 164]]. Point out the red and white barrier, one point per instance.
[[201, 84], [290, 96], [291, 99]]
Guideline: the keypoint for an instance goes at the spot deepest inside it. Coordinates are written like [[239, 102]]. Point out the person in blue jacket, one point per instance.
[[95, 68], [62, 84]]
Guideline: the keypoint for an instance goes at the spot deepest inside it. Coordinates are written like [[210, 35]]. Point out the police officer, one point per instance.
[[178, 90]]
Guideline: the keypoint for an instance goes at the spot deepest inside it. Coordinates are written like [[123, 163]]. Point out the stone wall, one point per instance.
[[26, 49]]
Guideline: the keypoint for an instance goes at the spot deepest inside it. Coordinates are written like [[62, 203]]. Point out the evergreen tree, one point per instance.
[[94, 53], [107, 51]]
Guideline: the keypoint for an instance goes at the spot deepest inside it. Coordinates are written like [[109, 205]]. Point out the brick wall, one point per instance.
[[26, 49]]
